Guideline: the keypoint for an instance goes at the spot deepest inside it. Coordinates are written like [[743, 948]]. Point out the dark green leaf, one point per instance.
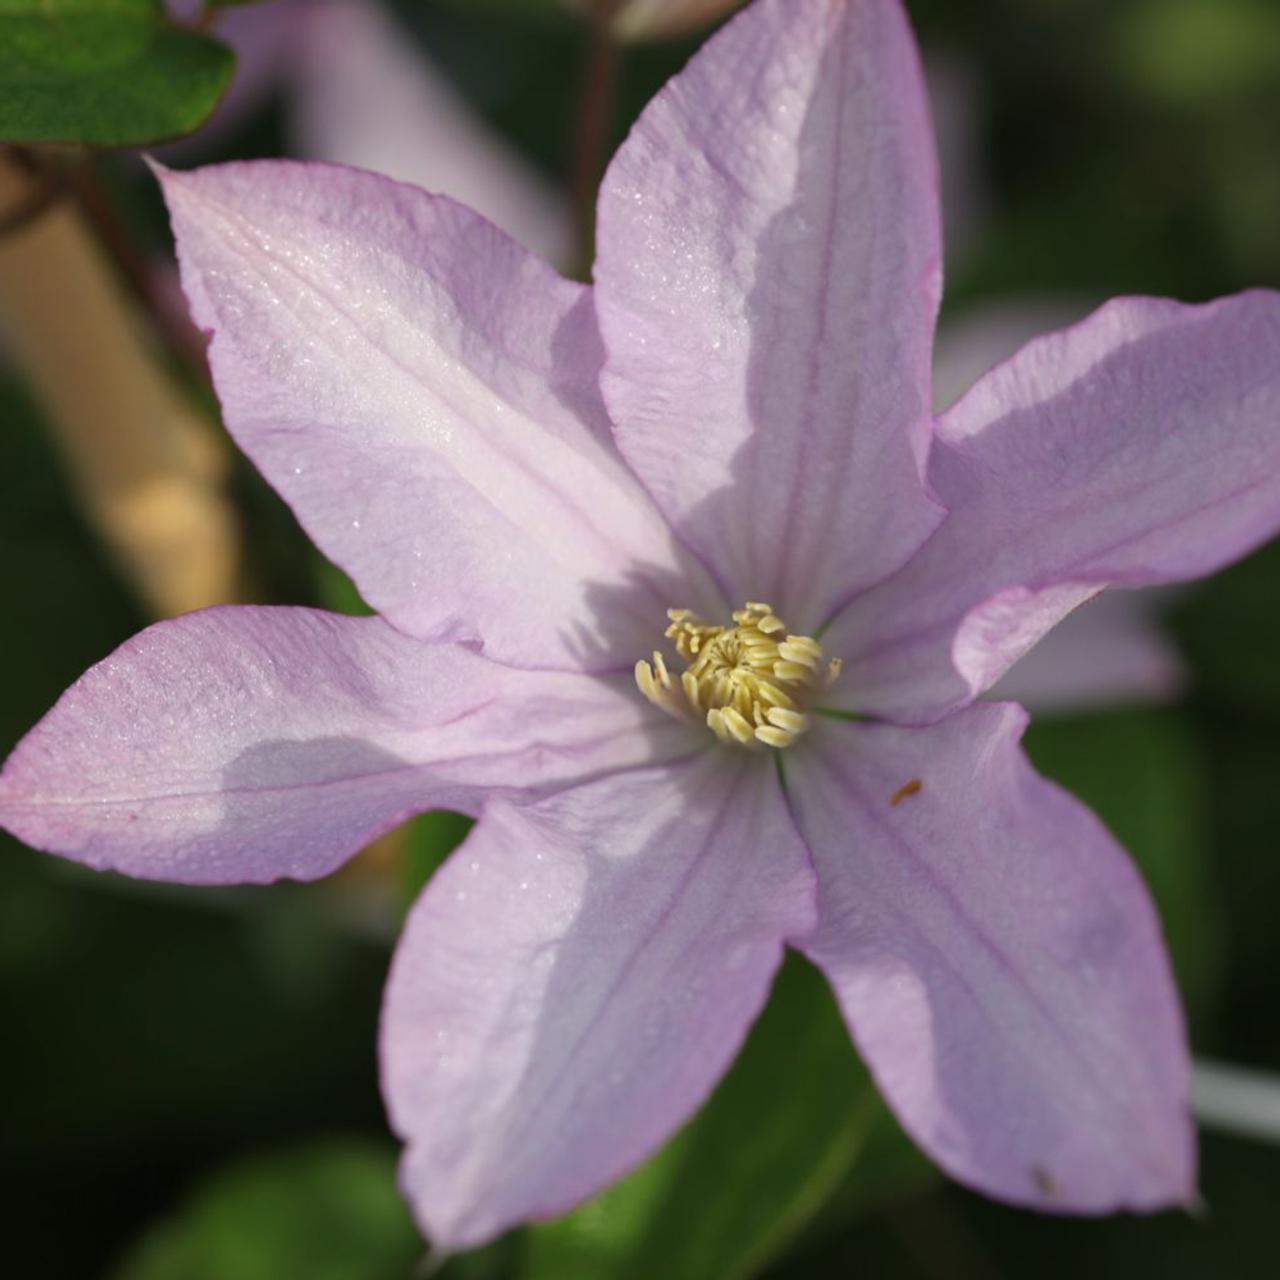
[[103, 72], [329, 1211], [1228, 627]]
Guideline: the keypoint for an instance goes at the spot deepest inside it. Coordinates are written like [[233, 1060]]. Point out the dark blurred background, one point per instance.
[[188, 1075]]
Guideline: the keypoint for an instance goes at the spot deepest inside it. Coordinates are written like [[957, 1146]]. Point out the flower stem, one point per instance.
[[591, 128]]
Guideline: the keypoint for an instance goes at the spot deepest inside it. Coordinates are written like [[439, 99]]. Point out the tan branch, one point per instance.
[[148, 466]]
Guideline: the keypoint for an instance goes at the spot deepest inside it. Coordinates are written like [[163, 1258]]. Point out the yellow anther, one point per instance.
[[692, 690], [644, 678], [792, 672], [660, 667], [806, 644], [690, 633], [715, 722], [737, 724], [749, 683], [799, 654], [792, 721], [769, 692]]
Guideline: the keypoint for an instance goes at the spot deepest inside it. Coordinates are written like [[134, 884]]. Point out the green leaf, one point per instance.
[[103, 72], [327, 1211], [1140, 770], [793, 1123]]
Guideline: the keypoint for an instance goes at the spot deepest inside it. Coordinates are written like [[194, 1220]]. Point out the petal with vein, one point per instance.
[[999, 964], [767, 282], [249, 744], [364, 94], [576, 978], [423, 392], [1141, 446]]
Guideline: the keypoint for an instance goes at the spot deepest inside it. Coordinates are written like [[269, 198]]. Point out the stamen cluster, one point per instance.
[[750, 683]]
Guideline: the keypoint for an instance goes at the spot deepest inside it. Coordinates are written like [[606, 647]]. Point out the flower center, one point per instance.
[[751, 683]]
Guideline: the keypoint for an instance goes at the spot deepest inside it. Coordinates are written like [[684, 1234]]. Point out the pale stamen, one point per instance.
[[749, 683]]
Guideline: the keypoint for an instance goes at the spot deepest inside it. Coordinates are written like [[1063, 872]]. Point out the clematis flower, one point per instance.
[[687, 596]]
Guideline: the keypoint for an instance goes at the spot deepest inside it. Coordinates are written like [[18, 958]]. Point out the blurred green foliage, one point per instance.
[[179, 1063], [1189, 54], [544, 11], [326, 1211], [104, 72]]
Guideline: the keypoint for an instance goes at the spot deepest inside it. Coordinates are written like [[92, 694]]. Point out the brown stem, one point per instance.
[[138, 275], [591, 128], [45, 187]]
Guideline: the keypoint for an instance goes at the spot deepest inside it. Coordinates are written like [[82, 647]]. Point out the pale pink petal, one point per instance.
[[363, 95], [1140, 447], [576, 978], [1109, 650], [970, 345], [767, 281], [999, 964], [247, 744], [423, 392]]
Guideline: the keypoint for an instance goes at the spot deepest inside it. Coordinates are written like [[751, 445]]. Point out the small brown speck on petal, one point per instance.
[[907, 789]]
